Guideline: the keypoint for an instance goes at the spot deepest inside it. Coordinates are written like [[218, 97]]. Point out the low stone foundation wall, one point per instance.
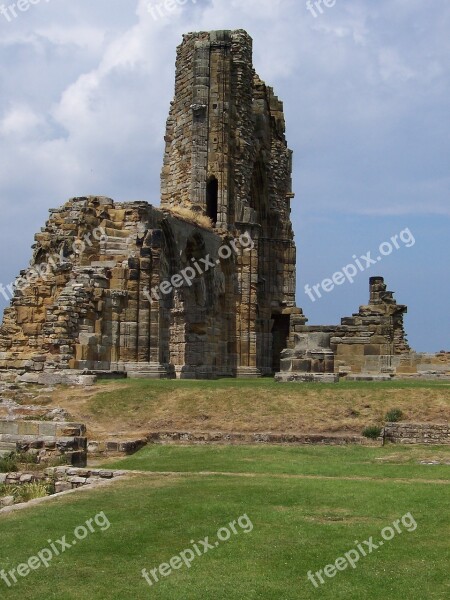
[[416, 433], [65, 377], [63, 478], [126, 448], [112, 448], [253, 438], [48, 440], [67, 478]]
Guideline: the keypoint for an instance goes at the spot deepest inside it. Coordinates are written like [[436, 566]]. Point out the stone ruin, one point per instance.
[[374, 336], [226, 158], [45, 440], [107, 289], [311, 360]]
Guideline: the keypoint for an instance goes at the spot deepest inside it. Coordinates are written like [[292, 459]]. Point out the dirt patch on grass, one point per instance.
[[415, 455]]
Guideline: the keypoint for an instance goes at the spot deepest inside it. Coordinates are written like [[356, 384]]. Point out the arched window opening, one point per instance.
[[212, 194]]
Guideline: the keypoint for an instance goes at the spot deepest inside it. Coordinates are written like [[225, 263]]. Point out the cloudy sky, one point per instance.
[[85, 91]]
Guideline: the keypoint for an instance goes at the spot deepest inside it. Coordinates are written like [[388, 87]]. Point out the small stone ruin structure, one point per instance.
[[371, 342], [311, 360], [45, 440]]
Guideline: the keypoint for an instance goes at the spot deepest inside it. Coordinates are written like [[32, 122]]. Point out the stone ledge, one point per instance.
[[66, 377], [253, 438], [307, 377], [368, 377], [74, 476], [417, 433], [112, 447], [42, 428]]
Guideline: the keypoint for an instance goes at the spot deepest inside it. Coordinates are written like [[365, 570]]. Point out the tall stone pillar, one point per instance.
[[219, 135], [144, 311], [199, 107], [129, 320], [247, 324]]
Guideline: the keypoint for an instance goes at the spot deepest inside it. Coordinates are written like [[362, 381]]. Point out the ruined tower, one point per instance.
[[226, 152], [226, 156]]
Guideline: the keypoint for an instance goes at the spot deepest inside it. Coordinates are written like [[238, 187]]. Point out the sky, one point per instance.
[[85, 93]]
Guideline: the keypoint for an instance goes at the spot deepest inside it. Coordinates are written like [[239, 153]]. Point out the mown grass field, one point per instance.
[[132, 408], [308, 506]]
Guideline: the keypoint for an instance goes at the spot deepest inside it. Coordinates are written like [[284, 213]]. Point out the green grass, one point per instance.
[[263, 382], [331, 461], [9, 463], [298, 525]]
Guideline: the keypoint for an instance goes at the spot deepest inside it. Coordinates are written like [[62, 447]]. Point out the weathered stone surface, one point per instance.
[[253, 438], [312, 360], [417, 433], [47, 440], [64, 479], [370, 341], [368, 377], [307, 377], [62, 486], [6, 501]]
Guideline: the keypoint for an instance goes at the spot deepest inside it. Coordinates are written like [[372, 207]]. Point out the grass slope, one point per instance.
[[127, 408]]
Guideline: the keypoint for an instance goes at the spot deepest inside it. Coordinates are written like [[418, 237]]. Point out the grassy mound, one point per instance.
[[127, 408]]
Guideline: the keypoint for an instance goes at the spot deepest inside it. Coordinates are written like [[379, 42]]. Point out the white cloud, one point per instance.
[[20, 122], [344, 81], [89, 38]]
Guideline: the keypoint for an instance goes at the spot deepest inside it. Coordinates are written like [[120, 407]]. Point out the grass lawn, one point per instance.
[[308, 506], [391, 461]]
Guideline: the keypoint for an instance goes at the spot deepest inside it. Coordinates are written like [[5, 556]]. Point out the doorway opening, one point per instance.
[[280, 335]]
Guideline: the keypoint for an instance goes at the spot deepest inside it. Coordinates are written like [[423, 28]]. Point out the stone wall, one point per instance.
[[170, 437], [416, 433], [426, 365], [226, 156], [64, 479], [47, 440], [114, 447], [226, 126]]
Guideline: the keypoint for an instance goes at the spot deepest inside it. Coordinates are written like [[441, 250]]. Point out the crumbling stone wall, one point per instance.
[[370, 339], [64, 479], [416, 433], [226, 156], [47, 440], [94, 311], [226, 125], [426, 365]]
